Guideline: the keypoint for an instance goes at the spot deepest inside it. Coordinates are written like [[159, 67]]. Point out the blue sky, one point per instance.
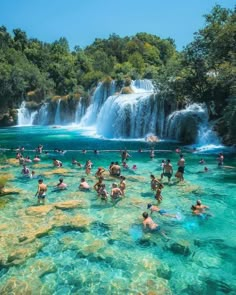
[[81, 21]]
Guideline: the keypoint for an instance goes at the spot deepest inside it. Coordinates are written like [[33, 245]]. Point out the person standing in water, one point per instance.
[[220, 160], [167, 170], [41, 192], [122, 185], [158, 195], [181, 166], [125, 156], [152, 153], [154, 182]]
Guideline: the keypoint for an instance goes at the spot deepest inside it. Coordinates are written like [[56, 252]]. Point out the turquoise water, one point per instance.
[[97, 248]]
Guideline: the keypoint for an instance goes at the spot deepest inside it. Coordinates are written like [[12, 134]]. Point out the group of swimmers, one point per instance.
[[118, 189]]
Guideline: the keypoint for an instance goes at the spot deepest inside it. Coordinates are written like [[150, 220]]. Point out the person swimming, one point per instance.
[[148, 223], [163, 212]]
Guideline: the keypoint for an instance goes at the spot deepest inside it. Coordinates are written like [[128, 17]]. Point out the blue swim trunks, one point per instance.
[[162, 211], [157, 229]]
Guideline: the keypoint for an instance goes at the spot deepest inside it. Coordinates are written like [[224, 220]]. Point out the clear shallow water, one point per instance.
[[110, 253]]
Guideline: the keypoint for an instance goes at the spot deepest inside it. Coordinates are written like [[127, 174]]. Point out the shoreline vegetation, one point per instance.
[[204, 72]]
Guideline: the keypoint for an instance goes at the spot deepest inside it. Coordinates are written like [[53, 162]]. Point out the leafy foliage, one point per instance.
[[204, 71]]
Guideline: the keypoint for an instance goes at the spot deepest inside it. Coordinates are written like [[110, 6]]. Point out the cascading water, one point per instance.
[[102, 92], [128, 115], [190, 125], [57, 120], [139, 86], [43, 115], [79, 112], [25, 116], [132, 115]]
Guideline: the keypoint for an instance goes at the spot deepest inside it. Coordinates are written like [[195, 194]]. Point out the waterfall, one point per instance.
[[79, 112], [128, 115], [189, 125], [57, 120], [102, 92], [43, 115], [25, 116], [140, 86]]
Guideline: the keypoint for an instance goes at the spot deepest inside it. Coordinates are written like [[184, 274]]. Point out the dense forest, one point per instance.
[[205, 71]]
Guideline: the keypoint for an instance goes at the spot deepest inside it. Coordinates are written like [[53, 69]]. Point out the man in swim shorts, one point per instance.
[[181, 165], [167, 170], [41, 192]]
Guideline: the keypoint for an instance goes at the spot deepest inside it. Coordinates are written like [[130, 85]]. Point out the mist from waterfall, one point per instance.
[[206, 135]]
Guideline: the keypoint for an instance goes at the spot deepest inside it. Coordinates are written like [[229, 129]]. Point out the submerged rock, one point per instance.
[[21, 286], [39, 210], [60, 171], [19, 255], [41, 267], [180, 247], [69, 204]]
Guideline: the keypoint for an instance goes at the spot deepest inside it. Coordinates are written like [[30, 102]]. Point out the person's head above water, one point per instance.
[[149, 206], [145, 215], [199, 202]]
